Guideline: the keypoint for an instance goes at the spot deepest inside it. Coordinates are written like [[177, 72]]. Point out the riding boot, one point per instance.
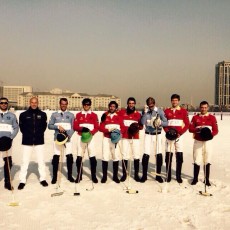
[[159, 162], [124, 170], [179, 161], [115, 171], [93, 164], [55, 162], [136, 170], [7, 168], [69, 163], [79, 169], [207, 173], [168, 161], [104, 171], [196, 171], [145, 162]]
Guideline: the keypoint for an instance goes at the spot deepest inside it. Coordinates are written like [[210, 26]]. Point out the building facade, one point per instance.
[[222, 85]]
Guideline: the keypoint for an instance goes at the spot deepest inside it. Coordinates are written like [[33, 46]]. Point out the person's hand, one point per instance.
[[156, 122], [111, 129], [61, 129]]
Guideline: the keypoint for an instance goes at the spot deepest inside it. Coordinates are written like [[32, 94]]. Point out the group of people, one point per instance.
[[121, 140]]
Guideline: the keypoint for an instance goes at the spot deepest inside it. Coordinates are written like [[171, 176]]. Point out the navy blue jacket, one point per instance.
[[33, 123]]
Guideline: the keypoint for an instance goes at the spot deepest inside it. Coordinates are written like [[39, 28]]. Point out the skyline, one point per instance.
[[124, 48]]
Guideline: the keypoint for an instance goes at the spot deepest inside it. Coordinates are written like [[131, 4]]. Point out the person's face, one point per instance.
[[63, 105], [112, 108], [151, 105], [204, 109], [175, 102], [86, 106], [34, 103], [131, 104], [3, 105]]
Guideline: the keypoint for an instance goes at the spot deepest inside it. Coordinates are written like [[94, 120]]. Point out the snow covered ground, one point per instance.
[[108, 206]]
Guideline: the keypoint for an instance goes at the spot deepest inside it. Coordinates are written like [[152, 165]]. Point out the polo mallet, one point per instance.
[[59, 193], [13, 203], [92, 187], [205, 193]]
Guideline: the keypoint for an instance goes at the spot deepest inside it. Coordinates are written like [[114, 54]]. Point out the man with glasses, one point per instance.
[[33, 123], [86, 121], [8, 128], [62, 122]]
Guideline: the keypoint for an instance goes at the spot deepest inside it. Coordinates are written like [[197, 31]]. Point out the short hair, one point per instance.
[[175, 96], [204, 103], [4, 98], [34, 97], [86, 101], [150, 99], [113, 103], [131, 99], [63, 99]]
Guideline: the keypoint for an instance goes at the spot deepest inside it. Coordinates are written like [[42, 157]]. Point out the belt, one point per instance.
[[151, 133]]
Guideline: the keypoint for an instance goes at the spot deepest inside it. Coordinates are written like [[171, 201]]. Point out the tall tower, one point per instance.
[[222, 85]]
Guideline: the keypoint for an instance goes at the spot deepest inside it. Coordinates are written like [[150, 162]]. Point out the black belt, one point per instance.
[[151, 133]]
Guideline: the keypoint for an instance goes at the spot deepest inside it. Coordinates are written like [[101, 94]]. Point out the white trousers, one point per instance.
[[82, 148], [202, 152], [130, 146], [39, 151], [68, 148], [177, 145], [108, 148], [152, 144], [6, 153]]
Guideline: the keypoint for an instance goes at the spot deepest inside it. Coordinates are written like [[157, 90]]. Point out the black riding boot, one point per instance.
[[104, 171], [196, 171], [136, 170], [69, 163], [179, 161], [168, 161], [115, 171], [124, 170], [145, 162], [79, 169], [7, 172], [207, 173], [159, 162], [55, 162], [93, 164]]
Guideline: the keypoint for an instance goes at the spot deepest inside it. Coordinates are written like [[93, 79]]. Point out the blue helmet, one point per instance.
[[115, 136]]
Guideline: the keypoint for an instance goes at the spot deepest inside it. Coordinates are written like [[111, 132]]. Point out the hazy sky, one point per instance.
[[137, 48]]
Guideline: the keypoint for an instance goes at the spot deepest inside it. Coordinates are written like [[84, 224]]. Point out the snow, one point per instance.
[[108, 206]]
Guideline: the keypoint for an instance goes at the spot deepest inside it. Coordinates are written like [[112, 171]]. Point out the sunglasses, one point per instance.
[[86, 105], [3, 103]]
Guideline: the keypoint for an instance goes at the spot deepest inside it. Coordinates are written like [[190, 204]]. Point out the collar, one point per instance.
[[86, 112], [204, 115], [4, 112], [60, 111], [177, 108]]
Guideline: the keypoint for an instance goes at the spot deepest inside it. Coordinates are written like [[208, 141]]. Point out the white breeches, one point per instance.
[[68, 148], [108, 149], [152, 144], [202, 152], [177, 145], [39, 151], [82, 148], [130, 146]]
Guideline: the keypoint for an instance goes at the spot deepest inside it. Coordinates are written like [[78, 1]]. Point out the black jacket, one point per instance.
[[33, 123]]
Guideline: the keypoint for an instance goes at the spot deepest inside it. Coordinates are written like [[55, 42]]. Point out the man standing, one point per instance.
[[153, 119], [178, 120], [110, 122], [62, 122], [8, 129], [86, 124], [33, 123], [204, 128], [130, 137]]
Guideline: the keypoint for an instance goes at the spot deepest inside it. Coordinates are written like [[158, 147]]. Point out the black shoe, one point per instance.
[[207, 182], [94, 179], [194, 182], [8, 186], [44, 183], [103, 180], [137, 178], [159, 179], [179, 180], [53, 181], [143, 179], [21, 186], [115, 179], [71, 179]]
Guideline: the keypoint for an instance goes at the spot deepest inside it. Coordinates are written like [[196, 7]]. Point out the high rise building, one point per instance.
[[222, 85]]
